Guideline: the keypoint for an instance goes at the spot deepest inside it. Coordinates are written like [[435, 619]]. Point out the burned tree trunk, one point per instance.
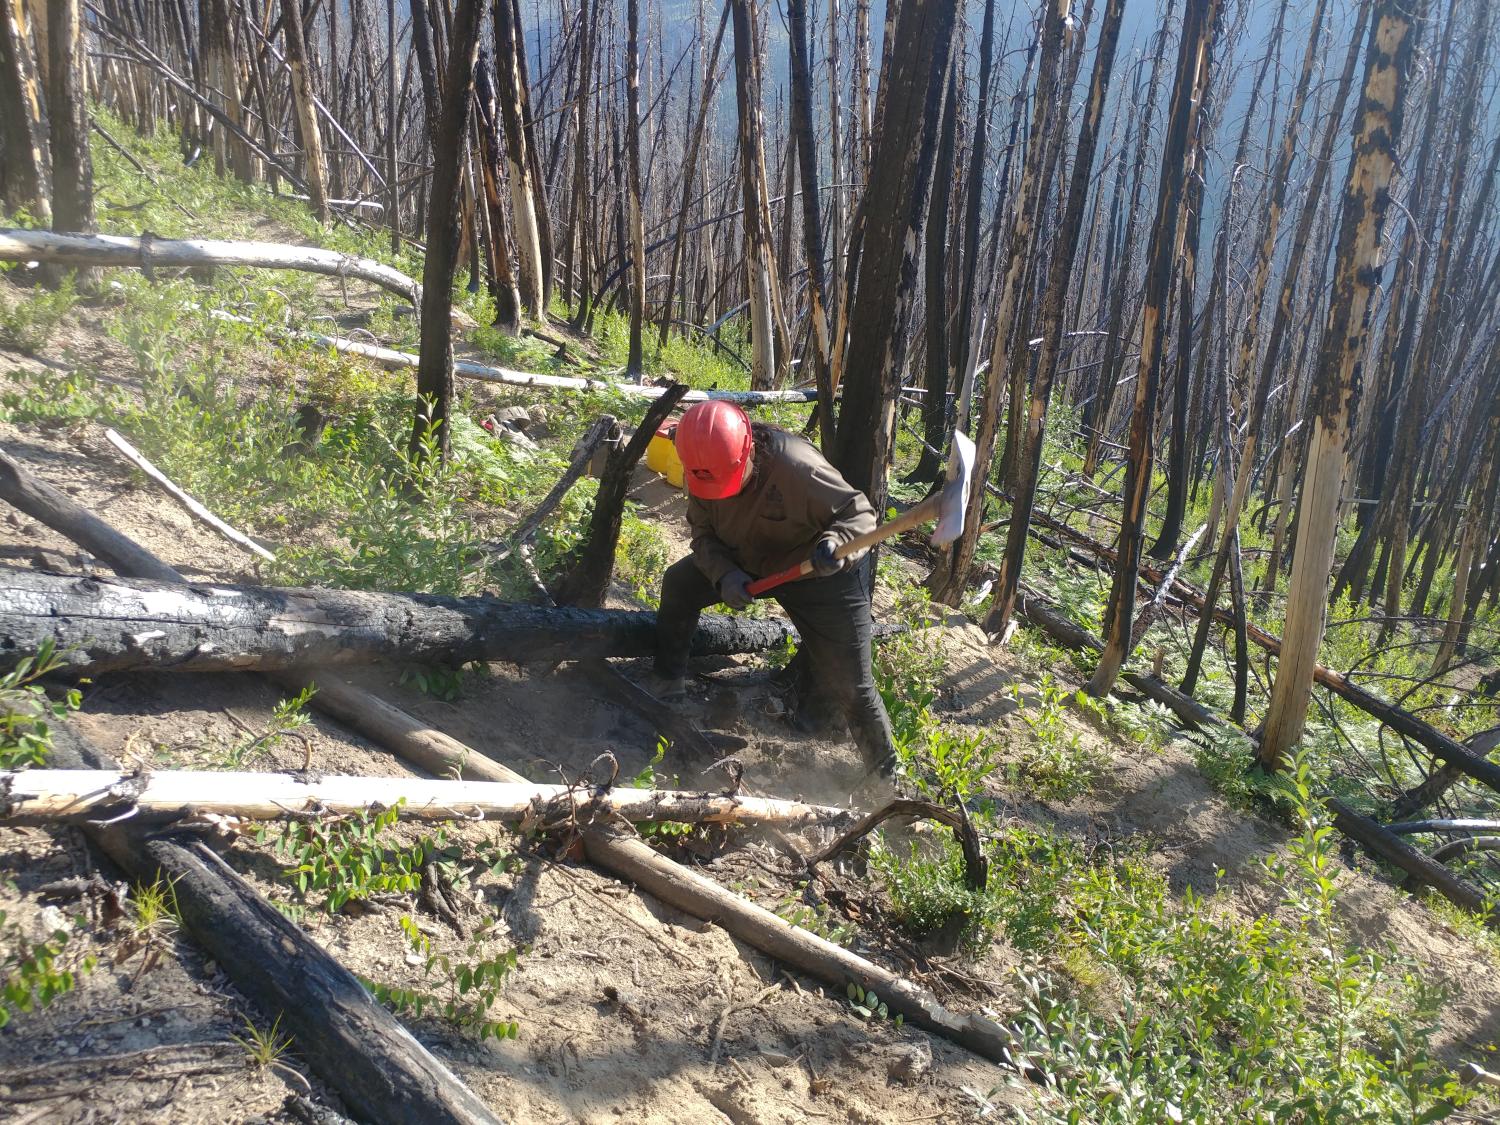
[[760, 265], [1029, 464], [1194, 58], [950, 577], [68, 117], [1272, 220], [893, 213], [635, 366], [1336, 390], [314, 167], [1097, 409], [24, 182], [112, 624], [349, 1040], [435, 374], [812, 220], [222, 80], [503, 291], [690, 178], [588, 581], [524, 189], [935, 259]]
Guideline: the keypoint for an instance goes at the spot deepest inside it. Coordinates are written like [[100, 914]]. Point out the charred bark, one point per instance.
[[113, 624]]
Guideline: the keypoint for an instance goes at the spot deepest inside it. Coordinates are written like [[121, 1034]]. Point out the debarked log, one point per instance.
[[692, 893], [48, 796], [483, 372], [147, 252], [102, 624]]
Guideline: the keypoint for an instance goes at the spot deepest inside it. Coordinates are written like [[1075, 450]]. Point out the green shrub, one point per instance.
[[26, 711], [928, 891], [27, 321], [355, 857], [465, 988], [35, 973], [1219, 1018]]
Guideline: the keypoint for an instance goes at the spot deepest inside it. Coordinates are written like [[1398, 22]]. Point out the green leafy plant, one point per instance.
[[1058, 763], [928, 891], [35, 973], [26, 711], [649, 778], [354, 858], [435, 680], [466, 987], [816, 918], [28, 322], [867, 1004], [57, 397], [287, 716], [1217, 1018]]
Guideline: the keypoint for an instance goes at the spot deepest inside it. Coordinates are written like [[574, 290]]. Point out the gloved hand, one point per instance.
[[733, 591], [824, 562]]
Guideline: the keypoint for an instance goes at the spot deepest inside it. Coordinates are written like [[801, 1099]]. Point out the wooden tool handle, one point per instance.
[[916, 514], [771, 581]]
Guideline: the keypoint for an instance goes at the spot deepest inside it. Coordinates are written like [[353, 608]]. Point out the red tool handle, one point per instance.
[[771, 581]]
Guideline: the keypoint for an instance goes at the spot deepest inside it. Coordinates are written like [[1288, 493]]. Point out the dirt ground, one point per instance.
[[628, 1010]]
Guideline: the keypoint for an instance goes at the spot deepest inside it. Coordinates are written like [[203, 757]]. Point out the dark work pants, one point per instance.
[[832, 615]]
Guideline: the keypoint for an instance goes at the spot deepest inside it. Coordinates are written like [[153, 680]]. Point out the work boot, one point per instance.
[[669, 687]]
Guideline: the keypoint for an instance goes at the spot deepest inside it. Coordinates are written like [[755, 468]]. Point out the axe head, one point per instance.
[[954, 498]]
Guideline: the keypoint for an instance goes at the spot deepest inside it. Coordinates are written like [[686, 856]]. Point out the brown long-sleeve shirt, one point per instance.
[[793, 498]]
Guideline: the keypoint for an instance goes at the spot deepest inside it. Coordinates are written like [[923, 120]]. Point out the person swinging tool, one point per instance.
[[760, 500]]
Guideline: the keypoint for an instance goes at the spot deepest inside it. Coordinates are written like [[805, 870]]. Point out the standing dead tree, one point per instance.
[[950, 577], [767, 359], [587, 581], [635, 366], [1194, 58], [314, 164], [893, 214], [1335, 398], [812, 219], [68, 118], [435, 373], [24, 179], [526, 196], [1256, 419], [1029, 464]]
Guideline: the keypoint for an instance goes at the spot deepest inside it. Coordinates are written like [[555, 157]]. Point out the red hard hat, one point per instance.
[[713, 442]]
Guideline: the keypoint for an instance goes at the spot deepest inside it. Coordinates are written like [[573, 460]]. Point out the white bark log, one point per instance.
[[464, 369], [50, 796], [128, 250], [136, 458]]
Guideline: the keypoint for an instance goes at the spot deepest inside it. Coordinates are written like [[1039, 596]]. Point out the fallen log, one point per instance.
[[467, 369], [148, 252], [67, 517], [1439, 745], [74, 796], [1073, 636], [104, 624], [1458, 825], [693, 894], [1421, 869], [199, 512], [348, 1039]]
